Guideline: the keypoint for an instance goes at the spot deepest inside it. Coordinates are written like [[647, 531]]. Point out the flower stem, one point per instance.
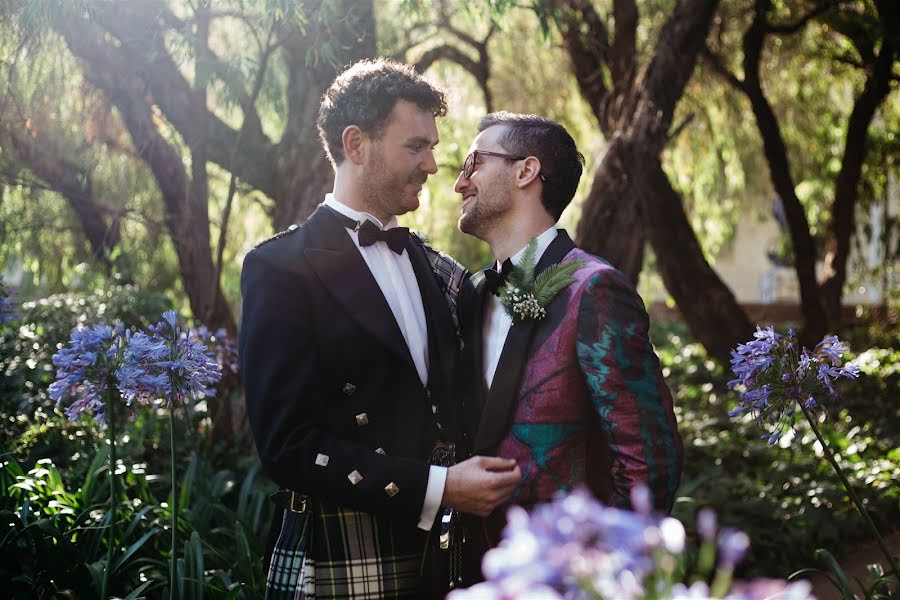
[[174, 507], [859, 505], [113, 497]]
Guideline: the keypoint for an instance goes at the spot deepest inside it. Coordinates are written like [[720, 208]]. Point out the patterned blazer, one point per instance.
[[338, 411], [578, 397]]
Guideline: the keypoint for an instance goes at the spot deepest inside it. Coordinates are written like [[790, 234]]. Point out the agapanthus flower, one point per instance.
[[140, 380], [576, 547], [85, 369], [775, 374], [222, 344], [186, 362], [7, 307]]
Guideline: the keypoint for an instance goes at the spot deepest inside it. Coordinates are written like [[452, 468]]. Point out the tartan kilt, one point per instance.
[[329, 552]]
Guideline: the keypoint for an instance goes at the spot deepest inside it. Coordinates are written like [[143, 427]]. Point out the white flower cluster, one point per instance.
[[525, 305]]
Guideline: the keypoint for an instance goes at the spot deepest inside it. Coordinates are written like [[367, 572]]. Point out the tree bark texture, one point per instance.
[[631, 198]]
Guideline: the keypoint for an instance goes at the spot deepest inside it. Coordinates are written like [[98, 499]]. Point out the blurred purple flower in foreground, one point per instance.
[[575, 547], [773, 374]]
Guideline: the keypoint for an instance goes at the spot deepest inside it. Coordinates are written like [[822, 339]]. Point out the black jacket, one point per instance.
[[331, 389]]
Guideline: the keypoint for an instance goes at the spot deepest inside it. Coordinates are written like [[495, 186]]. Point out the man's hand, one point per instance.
[[480, 484]]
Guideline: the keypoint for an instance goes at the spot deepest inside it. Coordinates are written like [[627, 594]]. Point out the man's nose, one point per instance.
[[429, 165], [460, 183]]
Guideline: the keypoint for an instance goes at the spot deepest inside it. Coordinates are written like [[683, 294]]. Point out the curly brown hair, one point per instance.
[[364, 95]]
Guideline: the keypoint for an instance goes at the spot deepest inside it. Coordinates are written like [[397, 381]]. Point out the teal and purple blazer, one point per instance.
[[578, 397]]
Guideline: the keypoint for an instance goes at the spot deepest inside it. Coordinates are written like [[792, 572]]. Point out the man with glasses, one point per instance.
[[349, 354], [568, 383]]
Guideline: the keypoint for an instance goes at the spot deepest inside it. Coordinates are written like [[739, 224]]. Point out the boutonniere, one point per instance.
[[525, 296]]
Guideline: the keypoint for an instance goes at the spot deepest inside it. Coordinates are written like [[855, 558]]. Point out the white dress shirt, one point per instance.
[[398, 284], [496, 321]]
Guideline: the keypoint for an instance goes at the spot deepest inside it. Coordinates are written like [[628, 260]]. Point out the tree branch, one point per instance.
[[622, 55], [135, 24], [846, 189], [714, 61], [586, 40], [74, 184]]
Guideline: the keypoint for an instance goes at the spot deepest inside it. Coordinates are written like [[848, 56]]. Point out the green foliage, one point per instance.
[[53, 537]]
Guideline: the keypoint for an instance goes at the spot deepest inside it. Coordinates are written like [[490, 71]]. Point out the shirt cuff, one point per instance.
[[434, 493]]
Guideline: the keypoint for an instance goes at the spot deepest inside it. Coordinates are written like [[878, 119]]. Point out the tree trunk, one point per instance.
[[846, 189], [611, 224], [814, 316], [631, 197]]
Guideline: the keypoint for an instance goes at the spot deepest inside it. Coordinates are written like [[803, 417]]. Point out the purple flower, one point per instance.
[[831, 349], [706, 524], [7, 308], [182, 360], [733, 545], [85, 369], [575, 547], [774, 374], [223, 345]]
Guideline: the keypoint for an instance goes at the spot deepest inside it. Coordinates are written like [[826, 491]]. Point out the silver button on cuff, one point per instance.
[[355, 477], [322, 460]]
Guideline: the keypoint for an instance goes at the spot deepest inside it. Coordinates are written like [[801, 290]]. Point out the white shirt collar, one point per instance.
[[543, 242], [356, 215]]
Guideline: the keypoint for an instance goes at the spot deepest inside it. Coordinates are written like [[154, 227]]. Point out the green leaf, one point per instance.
[[523, 274], [826, 557], [553, 280], [136, 593], [134, 548]]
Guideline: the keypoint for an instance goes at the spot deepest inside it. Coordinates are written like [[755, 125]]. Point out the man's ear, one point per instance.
[[354, 142], [528, 172]]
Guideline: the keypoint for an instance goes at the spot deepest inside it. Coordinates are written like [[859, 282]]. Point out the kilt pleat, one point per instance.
[[332, 553]]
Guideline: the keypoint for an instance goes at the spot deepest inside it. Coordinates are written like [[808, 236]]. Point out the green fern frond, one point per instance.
[[522, 276], [553, 280]]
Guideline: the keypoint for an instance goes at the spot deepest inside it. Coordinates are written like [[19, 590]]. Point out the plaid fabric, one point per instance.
[[335, 553], [451, 275]]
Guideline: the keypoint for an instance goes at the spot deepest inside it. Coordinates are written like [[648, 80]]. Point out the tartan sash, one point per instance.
[[334, 553]]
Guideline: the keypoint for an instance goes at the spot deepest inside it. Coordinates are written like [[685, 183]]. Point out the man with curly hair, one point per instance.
[[349, 347]]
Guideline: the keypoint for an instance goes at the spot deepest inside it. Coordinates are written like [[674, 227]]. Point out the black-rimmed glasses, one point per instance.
[[469, 166]]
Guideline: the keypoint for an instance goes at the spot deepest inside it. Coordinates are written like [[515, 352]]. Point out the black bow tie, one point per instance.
[[495, 279], [395, 238]]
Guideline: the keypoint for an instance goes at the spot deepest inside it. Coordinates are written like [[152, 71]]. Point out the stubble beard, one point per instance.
[[383, 188], [483, 214]]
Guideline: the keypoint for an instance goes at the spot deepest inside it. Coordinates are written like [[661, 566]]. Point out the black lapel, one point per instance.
[[502, 397], [475, 342], [342, 270], [441, 334]]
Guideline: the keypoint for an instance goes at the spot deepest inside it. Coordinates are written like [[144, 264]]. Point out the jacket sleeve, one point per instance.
[[286, 406], [627, 390]]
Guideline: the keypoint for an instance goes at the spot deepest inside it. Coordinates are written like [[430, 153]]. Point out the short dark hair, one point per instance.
[[365, 93], [561, 162]]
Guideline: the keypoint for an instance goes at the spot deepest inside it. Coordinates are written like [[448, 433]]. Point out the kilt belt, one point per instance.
[[329, 552]]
